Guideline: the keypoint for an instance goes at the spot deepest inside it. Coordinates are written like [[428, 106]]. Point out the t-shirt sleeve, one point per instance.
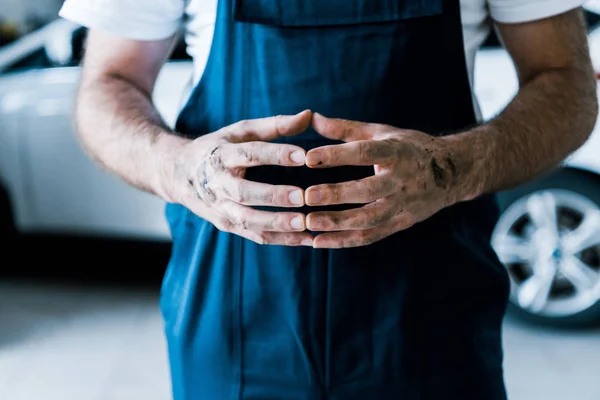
[[132, 19], [515, 11]]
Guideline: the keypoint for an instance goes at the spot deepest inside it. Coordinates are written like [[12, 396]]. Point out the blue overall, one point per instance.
[[414, 316]]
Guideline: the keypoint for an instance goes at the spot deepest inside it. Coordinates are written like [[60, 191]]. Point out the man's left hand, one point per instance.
[[415, 177]]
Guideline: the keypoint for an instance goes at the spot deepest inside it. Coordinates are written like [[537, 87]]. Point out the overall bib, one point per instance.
[[416, 316]]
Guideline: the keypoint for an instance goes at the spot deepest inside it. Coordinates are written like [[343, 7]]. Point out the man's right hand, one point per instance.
[[120, 128], [209, 179]]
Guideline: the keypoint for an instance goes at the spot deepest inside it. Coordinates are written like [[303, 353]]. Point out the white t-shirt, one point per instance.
[[158, 19]]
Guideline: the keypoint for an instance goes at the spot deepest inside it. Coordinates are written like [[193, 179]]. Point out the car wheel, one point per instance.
[[548, 237], [7, 226]]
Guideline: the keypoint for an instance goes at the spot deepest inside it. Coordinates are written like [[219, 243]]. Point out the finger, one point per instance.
[[365, 217], [243, 217], [344, 239], [270, 128], [342, 129], [361, 152], [287, 238], [361, 191], [277, 238], [251, 193], [252, 154]]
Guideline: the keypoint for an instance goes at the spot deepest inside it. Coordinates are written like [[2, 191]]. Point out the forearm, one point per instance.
[[551, 116], [121, 130]]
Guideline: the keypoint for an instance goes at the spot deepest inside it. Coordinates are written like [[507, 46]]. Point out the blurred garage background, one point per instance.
[[76, 324]]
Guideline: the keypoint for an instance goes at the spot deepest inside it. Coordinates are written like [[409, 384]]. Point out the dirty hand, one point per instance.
[[210, 179], [414, 178]]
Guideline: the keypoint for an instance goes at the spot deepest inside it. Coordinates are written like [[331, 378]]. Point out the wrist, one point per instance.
[[168, 148], [466, 154]]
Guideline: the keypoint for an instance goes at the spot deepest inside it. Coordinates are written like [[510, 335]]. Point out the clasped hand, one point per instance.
[[414, 178]]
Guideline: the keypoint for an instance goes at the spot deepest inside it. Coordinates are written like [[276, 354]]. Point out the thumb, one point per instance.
[[270, 128], [341, 129]]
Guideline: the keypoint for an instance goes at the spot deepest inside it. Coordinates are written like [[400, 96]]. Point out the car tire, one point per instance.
[[583, 188], [8, 233]]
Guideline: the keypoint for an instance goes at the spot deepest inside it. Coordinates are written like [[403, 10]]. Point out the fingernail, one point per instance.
[[306, 242], [297, 223], [297, 157], [296, 197], [313, 158], [314, 196]]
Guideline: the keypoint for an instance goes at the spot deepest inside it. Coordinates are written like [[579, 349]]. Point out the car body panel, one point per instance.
[[63, 191]]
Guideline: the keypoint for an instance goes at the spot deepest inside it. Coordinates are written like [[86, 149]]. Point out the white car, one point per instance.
[[52, 186], [548, 235]]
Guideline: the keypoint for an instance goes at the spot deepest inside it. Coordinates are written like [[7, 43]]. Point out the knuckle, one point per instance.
[[371, 192], [374, 127], [332, 155], [387, 186], [280, 155], [214, 158], [382, 216], [366, 237], [269, 224], [275, 197], [281, 223], [293, 240], [369, 150], [240, 220], [238, 194], [262, 238], [224, 225], [215, 152], [243, 221], [379, 217], [332, 192], [279, 124], [359, 221], [364, 150], [246, 153], [374, 219], [358, 239], [247, 129], [243, 125], [328, 221]]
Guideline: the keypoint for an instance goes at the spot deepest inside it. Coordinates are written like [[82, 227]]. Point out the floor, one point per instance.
[[61, 342]]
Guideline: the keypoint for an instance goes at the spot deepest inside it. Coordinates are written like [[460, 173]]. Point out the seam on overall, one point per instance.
[[328, 324], [240, 301], [241, 241], [238, 259]]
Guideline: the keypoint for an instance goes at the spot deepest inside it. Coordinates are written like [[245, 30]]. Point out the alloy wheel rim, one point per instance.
[[549, 242]]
